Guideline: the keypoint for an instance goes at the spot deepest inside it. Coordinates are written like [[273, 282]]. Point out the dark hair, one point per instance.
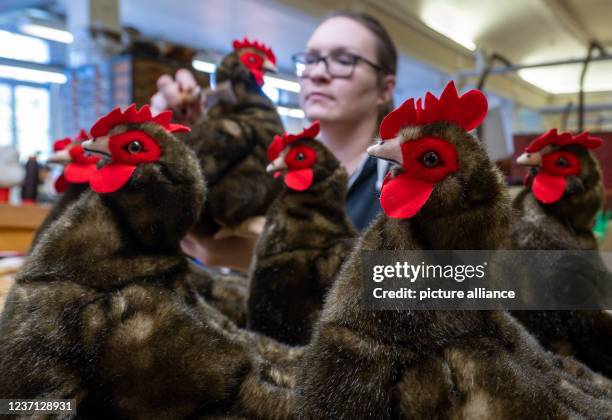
[[385, 48]]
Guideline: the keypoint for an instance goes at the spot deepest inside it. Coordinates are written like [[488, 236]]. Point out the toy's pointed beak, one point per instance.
[[61, 156], [277, 165], [388, 150], [269, 66], [98, 146], [530, 159]]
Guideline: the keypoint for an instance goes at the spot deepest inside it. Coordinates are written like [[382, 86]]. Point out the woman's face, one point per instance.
[[331, 99]]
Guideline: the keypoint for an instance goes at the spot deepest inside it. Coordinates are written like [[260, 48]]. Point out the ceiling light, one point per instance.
[[204, 66], [31, 75], [451, 22], [47, 32], [290, 112], [283, 84]]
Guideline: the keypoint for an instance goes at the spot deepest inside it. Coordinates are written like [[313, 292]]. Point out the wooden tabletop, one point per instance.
[[18, 224], [5, 285]]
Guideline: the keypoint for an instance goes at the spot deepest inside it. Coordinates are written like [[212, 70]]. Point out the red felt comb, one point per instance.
[[245, 43], [82, 136], [279, 143], [61, 144], [134, 116], [563, 139], [468, 111]]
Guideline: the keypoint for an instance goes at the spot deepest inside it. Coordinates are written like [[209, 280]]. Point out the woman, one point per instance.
[[347, 77]]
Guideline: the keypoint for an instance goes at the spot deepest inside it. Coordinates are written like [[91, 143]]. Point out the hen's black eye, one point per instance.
[[300, 156], [134, 147], [562, 162], [430, 159]]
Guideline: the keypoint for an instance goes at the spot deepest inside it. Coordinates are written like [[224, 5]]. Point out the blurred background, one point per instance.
[[542, 63]]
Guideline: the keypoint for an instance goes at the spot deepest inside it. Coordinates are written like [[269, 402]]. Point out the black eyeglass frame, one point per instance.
[[356, 59]]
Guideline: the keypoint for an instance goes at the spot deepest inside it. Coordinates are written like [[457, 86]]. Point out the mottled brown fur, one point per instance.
[[231, 142], [436, 364], [306, 238], [228, 293], [105, 311], [72, 193], [567, 224]]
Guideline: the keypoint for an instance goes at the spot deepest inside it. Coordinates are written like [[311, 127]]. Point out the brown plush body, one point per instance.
[[105, 311], [228, 293], [436, 364], [567, 224], [230, 142], [306, 238], [72, 193]]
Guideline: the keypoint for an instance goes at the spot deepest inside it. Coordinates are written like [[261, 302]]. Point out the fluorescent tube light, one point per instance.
[[46, 32], [32, 75]]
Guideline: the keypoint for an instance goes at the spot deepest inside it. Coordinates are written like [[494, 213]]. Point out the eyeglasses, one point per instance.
[[339, 64]]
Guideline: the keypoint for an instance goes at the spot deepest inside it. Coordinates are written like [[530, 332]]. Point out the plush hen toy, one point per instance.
[[445, 193], [559, 204], [102, 311], [232, 138], [557, 210], [78, 167], [306, 238]]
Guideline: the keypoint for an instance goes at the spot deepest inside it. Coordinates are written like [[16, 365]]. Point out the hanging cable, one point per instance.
[[592, 47]]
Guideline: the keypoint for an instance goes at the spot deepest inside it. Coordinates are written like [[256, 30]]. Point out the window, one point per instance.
[[6, 116], [25, 118], [24, 48]]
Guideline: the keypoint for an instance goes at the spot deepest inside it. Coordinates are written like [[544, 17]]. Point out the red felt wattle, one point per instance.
[[258, 75], [548, 188], [77, 153], [111, 177], [468, 111], [299, 179], [118, 146], [82, 165], [78, 173], [132, 115], [403, 196], [245, 43], [60, 184]]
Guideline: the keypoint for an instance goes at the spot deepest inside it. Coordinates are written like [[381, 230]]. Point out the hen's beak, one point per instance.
[[277, 165], [269, 66], [388, 150], [61, 156], [98, 146], [530, 159]]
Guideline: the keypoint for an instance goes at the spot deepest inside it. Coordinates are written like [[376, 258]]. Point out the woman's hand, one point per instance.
[[182, 95], [235, 252]]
